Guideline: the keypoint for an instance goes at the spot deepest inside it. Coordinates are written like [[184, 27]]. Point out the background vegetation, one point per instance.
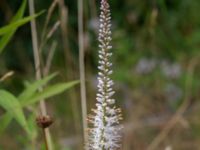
[[156, 69]]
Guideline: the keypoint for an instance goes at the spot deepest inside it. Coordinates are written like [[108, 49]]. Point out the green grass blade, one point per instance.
[[18, 23], [10, 103], [7, 37], [20, 12], [49, 91], [4, 121], [32, 88]]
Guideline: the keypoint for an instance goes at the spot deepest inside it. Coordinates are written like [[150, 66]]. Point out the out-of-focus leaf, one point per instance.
[[32, 126], [10, 103], [49, 91], [18, 23], [32, 88], [20, 12], [193, 38], [6, 38], [4, 121]]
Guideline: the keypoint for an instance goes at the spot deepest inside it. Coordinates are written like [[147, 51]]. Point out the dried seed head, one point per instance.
[[44, 121]]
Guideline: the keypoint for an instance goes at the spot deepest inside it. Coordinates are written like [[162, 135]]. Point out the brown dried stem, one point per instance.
[[38, 69], [176, 118]]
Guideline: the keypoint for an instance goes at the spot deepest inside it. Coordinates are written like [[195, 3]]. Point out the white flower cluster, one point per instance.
[[105, 131]]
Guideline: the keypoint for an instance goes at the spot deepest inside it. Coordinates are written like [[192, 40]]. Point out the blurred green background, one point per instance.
[[156, 70]]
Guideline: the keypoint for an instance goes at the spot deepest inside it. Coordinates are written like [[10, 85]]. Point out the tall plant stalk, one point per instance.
[[38, 70], [82, 68], [105, 131], [70, 65]]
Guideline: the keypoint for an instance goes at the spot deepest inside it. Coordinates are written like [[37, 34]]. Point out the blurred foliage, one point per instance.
[[154, 44]]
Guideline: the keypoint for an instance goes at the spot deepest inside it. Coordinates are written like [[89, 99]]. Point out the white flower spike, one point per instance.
[[105, 131]]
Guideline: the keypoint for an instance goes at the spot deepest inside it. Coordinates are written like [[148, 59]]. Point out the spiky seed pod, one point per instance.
[[44, 121], [105, 131]]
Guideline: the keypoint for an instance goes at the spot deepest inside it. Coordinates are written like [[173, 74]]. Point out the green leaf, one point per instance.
[[32, 126], [18, 23], [20, 12], [10, 103], [49, 91], [6, 38], [4, 121], [32, 88]]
